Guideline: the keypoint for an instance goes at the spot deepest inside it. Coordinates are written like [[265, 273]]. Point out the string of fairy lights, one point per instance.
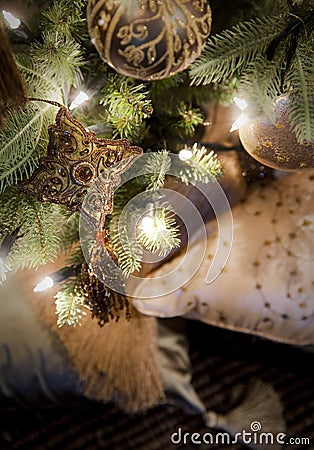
[[149, 223]]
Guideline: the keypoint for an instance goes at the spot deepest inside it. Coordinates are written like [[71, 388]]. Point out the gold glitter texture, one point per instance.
[[275, 145], [75, 159]]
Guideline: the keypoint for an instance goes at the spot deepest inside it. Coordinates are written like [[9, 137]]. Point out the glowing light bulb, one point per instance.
[[13, 22], [81, 98], [148, 223], [160, 225], [240, 102], [185, 154], [242, 120], [46, 283]]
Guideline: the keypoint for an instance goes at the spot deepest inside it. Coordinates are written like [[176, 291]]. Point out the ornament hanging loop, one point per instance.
[[50, 102]]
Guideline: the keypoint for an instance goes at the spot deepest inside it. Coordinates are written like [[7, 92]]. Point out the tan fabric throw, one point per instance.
[[117, 362]]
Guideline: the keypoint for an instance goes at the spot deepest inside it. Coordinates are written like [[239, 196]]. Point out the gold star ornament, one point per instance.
[[75, 159]]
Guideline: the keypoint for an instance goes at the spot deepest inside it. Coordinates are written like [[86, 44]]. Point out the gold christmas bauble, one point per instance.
[[149, 39], [275, 144]]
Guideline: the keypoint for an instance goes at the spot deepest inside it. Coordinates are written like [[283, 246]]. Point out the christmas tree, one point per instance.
[[137, 90]]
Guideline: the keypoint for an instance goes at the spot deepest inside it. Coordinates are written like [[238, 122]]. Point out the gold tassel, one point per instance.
[[13, 92], [260, 412], [117, 362]]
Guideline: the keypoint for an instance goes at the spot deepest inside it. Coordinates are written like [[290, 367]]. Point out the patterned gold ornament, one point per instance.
[[75, 159], [274, 144], [149, 39]]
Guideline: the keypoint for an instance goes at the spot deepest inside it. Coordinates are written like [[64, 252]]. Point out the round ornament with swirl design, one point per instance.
[[275, 144], [149, 39]]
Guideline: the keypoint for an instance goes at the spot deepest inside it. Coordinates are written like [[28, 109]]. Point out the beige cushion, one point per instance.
[[267, 285]]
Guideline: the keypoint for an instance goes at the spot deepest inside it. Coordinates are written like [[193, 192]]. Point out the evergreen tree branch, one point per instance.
[[127, 104], [201, 167], [41, 241], [67, 18], [158, 165], [39, 84], [261, 85], [301, 95], [70, 303], [126, 247], [70, 233], [188, 119], [162, 236], [233, 50], [41, 225], [60, 54], [4, 268], [22, 142]]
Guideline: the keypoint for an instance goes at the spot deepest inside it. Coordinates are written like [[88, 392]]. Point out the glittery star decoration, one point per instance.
[[75, 159]]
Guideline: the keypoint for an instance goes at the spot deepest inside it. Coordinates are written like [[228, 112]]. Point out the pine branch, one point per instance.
[[76, 257], [70, 233], [162, 236], [189, 118], [233, 50], [4, 269], [41, 226], [70, 304], [41, 241], [39, 83], [126, 245], [201, 167], [261, 85], [301, 95], [26, 135], [60, 54], [128, 250], [127, 105], [158, 165], [67, 18], [22, 142]]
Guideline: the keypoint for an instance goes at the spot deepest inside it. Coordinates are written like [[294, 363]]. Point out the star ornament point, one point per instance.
[[75, 159]]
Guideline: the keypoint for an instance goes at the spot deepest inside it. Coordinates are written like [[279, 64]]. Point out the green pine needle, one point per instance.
[[261, 85], [188, 119], [162, 236], [70, 233], [41, 225], [70, 304], [233, 50], [128, 250], [39, 82], [202, 167], [60, 54], [158, 165], [25, 137], [4, 269], [66, 17], [301, 95], [127, 105], [22, 142]]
